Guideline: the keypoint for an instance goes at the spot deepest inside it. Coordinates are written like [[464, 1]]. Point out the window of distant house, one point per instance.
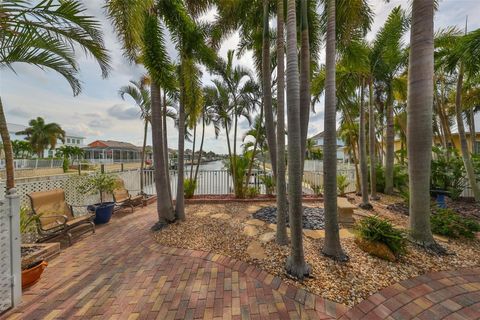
[[477, 147], [68, 140], [78, 141]]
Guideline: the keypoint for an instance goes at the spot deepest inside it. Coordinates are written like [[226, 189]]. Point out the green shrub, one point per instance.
[[27, 221], [342, 184], [65, 164], [448, 172], [269, 183], [447, 222], [252, 192], [317, 189], [189, 188], [376, 229], [400, 177]]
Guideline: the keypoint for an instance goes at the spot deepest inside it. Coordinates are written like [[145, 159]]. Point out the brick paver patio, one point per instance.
[[122, 273]]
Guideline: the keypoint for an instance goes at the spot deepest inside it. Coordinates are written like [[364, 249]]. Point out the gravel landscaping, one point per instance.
[[313, 218], [347, 283]]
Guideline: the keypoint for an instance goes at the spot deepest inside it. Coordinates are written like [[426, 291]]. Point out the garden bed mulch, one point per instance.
[[347, 283]]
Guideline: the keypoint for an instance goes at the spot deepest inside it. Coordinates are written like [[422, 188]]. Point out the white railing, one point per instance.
[[108, 161], [10, 265], [33, 163]]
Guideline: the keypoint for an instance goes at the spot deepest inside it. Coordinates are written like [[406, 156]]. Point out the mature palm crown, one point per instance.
[[42, 135], [46, 34]]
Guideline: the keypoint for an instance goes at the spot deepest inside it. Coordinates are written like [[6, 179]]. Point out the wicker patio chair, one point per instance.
[[123, 198], [56, 218]]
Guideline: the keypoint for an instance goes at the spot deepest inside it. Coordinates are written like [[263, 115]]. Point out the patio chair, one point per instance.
[[123, 198], [56, 218]]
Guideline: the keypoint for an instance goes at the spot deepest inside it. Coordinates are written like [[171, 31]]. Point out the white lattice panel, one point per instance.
[[5, 260]]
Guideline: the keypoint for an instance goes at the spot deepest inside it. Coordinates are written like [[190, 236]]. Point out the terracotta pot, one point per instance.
[[32, 275]]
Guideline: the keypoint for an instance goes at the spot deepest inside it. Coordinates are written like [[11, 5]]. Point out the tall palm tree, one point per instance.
[[458, 54], [46, 34], [42, 135], [281, 184], [140, 94], [296, 265], [419, 113], [267, 87], [388, 59], [332, 247]]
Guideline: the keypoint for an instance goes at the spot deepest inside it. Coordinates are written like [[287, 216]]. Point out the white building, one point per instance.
[[318, 143], [70, 139]]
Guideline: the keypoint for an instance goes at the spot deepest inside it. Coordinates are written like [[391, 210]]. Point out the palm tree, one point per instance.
[[295, 265], [139, 93], [388, 58], [42, 135], [46, 34], [332, 247], [281, 185], [459, 55], [267, 87], [419, 113]]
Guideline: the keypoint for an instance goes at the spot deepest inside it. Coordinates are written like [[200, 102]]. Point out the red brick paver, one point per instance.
[[122, 273], [438, 295]]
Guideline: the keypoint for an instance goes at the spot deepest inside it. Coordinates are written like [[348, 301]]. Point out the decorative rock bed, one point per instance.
[[313, 218]]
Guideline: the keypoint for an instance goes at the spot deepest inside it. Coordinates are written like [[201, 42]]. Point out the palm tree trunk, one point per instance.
[[234, 159], [165, 145], [142, 164], [362, 143], [201, 148], [267, 89], [180, 199], [355, 163], [250, 165], [332, 247], [390, 145], [164, 204], [193, 150], [419, 113], [472, 130], [372, 143], [7, 147], [304, 78], [467, 161], [281, 187], [296, 265]]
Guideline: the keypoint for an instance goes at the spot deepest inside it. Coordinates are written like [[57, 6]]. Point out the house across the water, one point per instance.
[[110, 151]]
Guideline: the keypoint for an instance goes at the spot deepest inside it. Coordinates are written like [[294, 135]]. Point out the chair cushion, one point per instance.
[[50, 203]]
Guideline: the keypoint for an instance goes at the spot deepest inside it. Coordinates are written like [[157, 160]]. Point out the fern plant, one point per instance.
[[376, 229]]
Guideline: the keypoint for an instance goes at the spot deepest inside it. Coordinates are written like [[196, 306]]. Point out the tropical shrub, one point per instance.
[[448, 172], [241, 169], [101, 183], [342, 184], [269, 183], [189, 188], [252, 192], [400, 178], [447, 222], [317, 189], [28, 229], [376, 229]]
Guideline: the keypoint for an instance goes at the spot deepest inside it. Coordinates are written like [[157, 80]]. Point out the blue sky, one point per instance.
[[99, 113]]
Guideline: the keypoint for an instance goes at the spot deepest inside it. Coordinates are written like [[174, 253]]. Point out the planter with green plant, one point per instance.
[[380, 238], [102, 184]]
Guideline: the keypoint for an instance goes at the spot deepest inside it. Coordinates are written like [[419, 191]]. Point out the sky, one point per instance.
[[99, 112]]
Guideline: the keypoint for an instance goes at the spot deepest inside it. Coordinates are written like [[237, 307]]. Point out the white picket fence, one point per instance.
[[10, 265]]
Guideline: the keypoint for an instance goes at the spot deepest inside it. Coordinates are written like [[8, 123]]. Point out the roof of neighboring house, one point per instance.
[[318, 135], [103, 144]]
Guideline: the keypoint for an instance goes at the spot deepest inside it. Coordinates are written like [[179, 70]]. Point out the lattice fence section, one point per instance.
[[5, 259]]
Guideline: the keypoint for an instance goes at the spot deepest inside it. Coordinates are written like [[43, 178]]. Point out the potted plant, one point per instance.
[[32, 270], [101, 183]]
